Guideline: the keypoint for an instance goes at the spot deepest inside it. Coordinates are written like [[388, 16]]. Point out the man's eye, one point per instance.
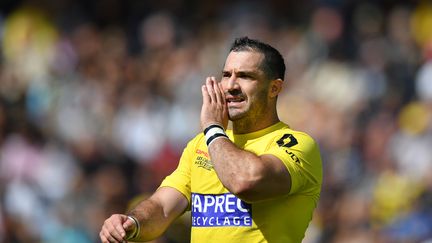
[[244, 76]]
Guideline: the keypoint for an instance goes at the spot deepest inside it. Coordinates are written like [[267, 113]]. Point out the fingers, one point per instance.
[[205, 94], [214, 110], [129, 227], [109, 239], [212, 91], [112, 229], [220, 97]]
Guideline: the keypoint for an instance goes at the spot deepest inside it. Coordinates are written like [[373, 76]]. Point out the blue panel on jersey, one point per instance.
[[221, 210]]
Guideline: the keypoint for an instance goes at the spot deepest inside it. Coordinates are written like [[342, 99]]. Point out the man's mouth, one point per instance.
[[233, 100]]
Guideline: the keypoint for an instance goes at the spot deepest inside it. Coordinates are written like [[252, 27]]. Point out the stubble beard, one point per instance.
[[248, 117], [235, 114]]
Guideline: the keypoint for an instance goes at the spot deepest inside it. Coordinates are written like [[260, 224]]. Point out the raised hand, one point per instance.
[[214, 109]]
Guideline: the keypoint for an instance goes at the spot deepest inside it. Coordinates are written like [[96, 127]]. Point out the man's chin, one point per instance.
[[234, 116]]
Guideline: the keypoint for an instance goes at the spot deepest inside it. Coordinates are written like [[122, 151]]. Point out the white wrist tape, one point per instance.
[[214, 132]]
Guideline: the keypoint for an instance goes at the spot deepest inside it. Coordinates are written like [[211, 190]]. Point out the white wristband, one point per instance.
[[214, 132]]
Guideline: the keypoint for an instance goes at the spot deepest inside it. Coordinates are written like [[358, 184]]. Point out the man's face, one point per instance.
[[245, 85]]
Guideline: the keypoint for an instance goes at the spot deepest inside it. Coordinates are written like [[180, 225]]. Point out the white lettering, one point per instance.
[[219, 210], [217, 221], [196, 203], [229, 202], [226, 221], [240, 207], [219, 203], [208, 202], [247, 221]]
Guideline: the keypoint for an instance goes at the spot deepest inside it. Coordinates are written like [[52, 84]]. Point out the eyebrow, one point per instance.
[[241, 73]]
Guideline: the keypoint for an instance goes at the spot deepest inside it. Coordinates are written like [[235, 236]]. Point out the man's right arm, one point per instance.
[[154, 216]]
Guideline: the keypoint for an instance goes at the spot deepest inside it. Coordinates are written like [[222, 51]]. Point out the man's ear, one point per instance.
[[275, 87]]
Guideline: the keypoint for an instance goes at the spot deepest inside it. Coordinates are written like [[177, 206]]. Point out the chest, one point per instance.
[[203, 176]]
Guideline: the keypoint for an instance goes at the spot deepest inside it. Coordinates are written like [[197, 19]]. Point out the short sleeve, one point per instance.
[[300, 154], [180, 179]]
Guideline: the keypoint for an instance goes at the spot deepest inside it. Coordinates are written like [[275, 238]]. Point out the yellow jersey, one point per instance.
[[219, 216]]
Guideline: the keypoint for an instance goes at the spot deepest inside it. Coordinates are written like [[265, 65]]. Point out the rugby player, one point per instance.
[[257, 182]]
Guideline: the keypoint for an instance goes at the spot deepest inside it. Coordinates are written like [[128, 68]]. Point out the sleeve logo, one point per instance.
[[221, 210], [283, 142], [287, 141]]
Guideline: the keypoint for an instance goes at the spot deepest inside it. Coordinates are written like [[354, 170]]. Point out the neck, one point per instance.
[[253, 124]]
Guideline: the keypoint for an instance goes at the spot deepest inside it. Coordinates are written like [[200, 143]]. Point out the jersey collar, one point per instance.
[[257, 134]]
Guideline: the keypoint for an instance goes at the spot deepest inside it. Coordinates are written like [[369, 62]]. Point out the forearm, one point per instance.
[[238, 170], [152, 219]]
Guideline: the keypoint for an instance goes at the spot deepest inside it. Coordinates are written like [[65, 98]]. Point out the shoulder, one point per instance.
[[287, 131], [289, 138], [196, 141]]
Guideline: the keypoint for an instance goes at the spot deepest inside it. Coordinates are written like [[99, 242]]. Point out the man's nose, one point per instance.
[[232, 83]]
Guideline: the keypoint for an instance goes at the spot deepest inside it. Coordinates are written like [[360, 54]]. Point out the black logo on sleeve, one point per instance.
[[287, 141]]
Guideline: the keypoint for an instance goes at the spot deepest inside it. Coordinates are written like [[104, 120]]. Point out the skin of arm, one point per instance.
[[158, 212], [250, 177], [154, 215]]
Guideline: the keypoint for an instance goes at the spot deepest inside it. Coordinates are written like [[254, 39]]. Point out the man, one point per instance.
[[258, 182]]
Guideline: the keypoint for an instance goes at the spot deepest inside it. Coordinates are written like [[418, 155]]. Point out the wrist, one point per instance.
[[213, 132], [136, 230]]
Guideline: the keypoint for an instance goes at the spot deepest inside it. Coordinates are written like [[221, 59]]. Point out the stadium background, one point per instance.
[[98, 98]]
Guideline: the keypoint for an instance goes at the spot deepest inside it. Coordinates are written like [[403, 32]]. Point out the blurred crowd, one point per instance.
[[99, 98]]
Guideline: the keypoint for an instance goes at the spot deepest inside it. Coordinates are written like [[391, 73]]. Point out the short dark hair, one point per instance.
[[273, 64]]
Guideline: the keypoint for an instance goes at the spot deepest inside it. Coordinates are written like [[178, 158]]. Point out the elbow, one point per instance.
[[260, 186], [246, 196], [245, 189]]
